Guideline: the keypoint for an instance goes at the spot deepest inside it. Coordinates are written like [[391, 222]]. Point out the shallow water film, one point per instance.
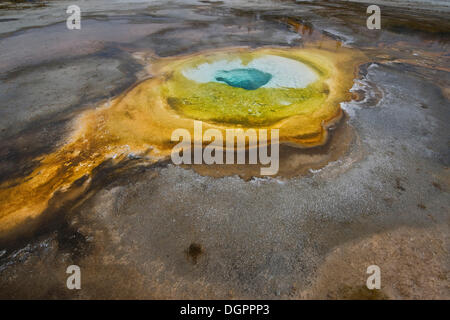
[[224, 149]]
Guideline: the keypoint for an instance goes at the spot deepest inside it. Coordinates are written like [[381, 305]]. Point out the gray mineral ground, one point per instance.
[[378, 193]]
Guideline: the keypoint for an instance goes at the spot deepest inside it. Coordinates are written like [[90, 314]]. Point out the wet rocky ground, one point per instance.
[[162, 231]]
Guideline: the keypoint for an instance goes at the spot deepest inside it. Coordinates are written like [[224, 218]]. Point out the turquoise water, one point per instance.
[[249, 79]]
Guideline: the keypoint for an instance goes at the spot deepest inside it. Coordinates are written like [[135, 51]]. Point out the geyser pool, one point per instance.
[[249, 79], [249, 89], [301, 99]]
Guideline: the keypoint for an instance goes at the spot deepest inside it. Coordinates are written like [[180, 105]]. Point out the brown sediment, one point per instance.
[[294, 161], [194, 251], [21, 5], [359, 293], [414, 268], [306, 30]]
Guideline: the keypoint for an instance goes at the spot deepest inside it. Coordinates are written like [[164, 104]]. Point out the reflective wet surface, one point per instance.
[[375, 192]]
